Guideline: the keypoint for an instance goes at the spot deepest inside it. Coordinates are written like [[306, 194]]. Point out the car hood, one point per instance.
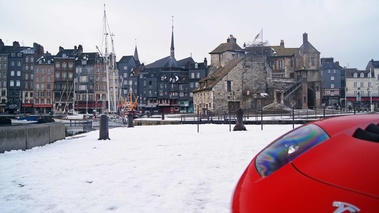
[[343, 161]]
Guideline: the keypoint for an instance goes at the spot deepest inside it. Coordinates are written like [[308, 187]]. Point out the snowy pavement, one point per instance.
[[169, 168]]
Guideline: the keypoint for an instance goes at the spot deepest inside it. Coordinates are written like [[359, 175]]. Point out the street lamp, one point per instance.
[[371, 107]]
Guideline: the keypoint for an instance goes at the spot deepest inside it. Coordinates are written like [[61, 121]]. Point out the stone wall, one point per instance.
[[28, 136]]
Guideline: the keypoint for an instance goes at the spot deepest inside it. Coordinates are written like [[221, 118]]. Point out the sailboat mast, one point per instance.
[[114, 74], [106, 56]]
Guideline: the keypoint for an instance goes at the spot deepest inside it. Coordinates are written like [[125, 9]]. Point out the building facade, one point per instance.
[[333, 83]]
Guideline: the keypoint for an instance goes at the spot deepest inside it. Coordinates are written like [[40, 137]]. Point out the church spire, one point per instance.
[[172, 52], [136, 52]]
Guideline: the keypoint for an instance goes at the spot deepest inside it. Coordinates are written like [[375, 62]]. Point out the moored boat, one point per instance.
[[24, 120]]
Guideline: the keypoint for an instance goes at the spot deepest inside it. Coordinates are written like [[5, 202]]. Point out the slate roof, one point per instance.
[[330, 66], [125, 59], [168, 61], [186, 62], [212, 79], [228, 46], [349, 72], [283, 51], [375, 64], [45, 58]]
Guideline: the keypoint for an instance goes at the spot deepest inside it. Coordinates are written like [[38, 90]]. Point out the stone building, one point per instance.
[[308, 71], [236, 80], [268, 77]]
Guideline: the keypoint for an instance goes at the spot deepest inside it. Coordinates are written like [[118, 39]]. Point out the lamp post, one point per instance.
[[346, 98], [87, 102], [371, 107]]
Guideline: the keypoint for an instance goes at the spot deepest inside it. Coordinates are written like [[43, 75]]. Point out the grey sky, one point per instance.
[[344, 29]]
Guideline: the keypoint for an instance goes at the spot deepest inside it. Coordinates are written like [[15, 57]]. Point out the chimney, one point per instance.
[[337, 63], [1, 44], [305, 38], [61, 49], [80, 49], [231, 39], [16, 44], [205, 62], [282, 43]]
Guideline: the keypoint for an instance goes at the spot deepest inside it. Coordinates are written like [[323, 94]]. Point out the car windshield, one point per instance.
[[288, 147]]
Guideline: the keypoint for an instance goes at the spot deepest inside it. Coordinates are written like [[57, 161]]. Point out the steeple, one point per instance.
[[172, 53], [136, 52]]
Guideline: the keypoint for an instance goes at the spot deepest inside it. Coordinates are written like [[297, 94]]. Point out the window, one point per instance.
[[83, 79], [361, 84], [12, 73], [228, 86], [332, 78], [11, 83], [355, 84], [19, 73], [355, 75], [280, 64], [332, 86], [18, 83], [57, 65], [193, 75], [361, 75]]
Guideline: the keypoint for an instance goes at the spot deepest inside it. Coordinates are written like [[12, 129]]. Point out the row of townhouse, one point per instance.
[[32, 81], [350, 87]]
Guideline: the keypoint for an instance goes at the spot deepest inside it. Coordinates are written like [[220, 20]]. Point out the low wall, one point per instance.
[[28, 136]]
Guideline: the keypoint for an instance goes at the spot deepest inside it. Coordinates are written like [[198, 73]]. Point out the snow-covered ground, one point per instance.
[[168, 168]]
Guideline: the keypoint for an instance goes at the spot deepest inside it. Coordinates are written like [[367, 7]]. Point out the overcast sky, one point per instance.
[[344, 29]]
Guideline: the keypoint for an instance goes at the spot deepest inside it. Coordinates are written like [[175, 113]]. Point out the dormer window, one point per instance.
[[355, 75], [361, 75]]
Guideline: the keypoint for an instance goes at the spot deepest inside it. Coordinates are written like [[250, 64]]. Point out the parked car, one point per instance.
[[330, 165]]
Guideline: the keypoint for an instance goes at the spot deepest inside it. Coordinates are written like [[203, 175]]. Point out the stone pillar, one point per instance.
[[239, 124], [104, 128], [130, 119]]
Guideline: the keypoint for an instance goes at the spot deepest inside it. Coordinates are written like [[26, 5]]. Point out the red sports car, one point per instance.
[[330, 165]]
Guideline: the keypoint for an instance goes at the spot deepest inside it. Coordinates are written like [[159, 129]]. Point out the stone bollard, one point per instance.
[[239, 124], [104, 128], [130, 120]]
